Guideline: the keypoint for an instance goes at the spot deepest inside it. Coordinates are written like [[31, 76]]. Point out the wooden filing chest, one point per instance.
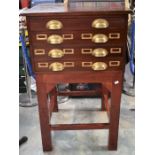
[[70, 44]]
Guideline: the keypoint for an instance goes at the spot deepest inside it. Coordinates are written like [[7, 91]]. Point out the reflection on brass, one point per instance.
[[68, 64], [39, 52], [54, 25], [114, 63], [115, 50], [86, 64], [86, 36], [55, 39], [56, 53], [100, 38], [56, 66], [42, 65], [100, 23], [114, 35], [41, 36], [86, 51], [68, 36], [99, 66], [68, 51], [100, 52]]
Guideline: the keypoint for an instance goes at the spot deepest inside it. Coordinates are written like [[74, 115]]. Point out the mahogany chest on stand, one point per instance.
[[78, 44]]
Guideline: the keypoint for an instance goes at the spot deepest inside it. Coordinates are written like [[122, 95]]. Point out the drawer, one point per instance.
[[80, 65], [101, 37], [55, 24], [64, 53]]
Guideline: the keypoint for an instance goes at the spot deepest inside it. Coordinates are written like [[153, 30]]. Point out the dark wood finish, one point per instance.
[[77, 52], [77, 19], [70, 24], [48, 10], [53, 101], [77, 37], [80, 93], [115, 111], [106, 103], [78, 65], [80, 126], [44, 116]]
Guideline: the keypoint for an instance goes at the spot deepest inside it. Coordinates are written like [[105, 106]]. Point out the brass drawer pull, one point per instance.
[[114, 63], [39, 52], [42, 65], [56, 53], [54, 25], [100, 38], [56, 66], [100, 52], [114, 36], [115, 50], [68, 51], [95, 66], [41, 36], [87, 64], [86, 51], [98, 66], [68, 36], [55, 39], [100, 23], [86, 36]]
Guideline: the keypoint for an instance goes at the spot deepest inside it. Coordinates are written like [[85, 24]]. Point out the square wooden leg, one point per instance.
[[103, 108], [44, 117], [54, 100], [114, 113]]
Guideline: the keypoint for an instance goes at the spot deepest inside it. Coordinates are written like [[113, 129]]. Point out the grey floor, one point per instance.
[[92, 142]]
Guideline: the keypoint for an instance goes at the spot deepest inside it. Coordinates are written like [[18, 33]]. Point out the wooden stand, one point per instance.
[[111, 82]]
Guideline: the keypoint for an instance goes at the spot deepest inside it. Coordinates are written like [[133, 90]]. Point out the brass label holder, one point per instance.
[[115, 50], [68, 51], [114, 63], [114, 35], [43, 65], [39, 52]]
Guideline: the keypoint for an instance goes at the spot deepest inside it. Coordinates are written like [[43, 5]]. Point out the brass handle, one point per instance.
[[54, 25], [100, 23], [99, 66], [56, 53], [55, 39], [100, 38], [100, 52], [56, 66]]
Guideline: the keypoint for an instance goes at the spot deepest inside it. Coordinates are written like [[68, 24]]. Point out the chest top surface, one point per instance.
[[77, 8]]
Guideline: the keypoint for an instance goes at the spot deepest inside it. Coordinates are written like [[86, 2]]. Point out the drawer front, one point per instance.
[[65, 53], [101, 37], [81, 65], [55, 24]]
